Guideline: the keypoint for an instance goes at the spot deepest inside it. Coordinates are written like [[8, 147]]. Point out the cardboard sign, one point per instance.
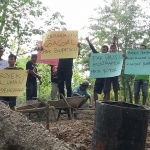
[[45, 61], [12, 82], [137, 62], [60, 44], [103, 65]]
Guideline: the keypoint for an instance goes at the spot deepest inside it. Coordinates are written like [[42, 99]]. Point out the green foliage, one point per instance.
[[129, 23], [23, 20]]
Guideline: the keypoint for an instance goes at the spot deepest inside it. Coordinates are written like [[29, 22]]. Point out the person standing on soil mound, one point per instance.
[[54, 82], [141, 82], [11, 100], [82, 91], [99, 82], [2, 62], [64, 75], [112, 80], [31, 85]]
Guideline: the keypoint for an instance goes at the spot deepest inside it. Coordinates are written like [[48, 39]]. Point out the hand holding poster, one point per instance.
[[3, 64], [12, 82], [137, 62], [60, 44], [105, 65]]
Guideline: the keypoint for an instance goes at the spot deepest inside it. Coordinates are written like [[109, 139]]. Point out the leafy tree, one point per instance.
[[21, 21], [128, 22]]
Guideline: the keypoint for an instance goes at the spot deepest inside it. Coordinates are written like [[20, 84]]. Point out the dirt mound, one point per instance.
[[18, 133], [78, 131]]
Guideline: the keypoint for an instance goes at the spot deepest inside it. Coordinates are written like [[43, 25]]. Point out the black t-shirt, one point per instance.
[[53, 75], [31, 66], [65, 64]]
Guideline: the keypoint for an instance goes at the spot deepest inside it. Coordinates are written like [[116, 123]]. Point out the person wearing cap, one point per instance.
[[82, 91], [99, 82], [31, 84]]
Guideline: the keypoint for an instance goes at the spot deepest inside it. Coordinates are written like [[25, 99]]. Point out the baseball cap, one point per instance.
[[85, 83]]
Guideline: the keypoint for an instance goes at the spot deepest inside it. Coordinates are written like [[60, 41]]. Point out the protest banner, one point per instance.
[[60, 44], [137, 62], [12, 82], [3, 64], [103, 65], [45, 61]]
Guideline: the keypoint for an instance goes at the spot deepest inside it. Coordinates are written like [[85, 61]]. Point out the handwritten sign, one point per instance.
[[3, 64], [105, 65], [12, 82], [137, 62], [45, 61], [60, 44]]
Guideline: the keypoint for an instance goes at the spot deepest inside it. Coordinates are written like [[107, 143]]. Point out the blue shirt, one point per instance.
[[78, 90]]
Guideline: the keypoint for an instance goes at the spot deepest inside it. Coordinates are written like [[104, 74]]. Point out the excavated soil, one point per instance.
[[18, 133], [79, 131]]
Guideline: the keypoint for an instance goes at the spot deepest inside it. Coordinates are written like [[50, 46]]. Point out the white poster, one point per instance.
[[3, 64]]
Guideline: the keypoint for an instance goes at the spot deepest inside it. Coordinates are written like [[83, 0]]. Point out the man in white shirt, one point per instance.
[[3, 63]]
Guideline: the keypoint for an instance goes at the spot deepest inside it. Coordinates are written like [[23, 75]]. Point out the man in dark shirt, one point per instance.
[[54, 82], [99, 82], [11, 100], [64, 75], [31, 85]]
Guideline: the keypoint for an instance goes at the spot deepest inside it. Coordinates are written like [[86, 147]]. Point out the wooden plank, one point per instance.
[[35, 109]]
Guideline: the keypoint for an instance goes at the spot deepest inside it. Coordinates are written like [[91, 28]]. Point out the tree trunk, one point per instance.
[[18, 133]]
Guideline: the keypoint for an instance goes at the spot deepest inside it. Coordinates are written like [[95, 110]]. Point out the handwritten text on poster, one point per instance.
[[60, 44], [105, 65], [12, 82], [137, 62]]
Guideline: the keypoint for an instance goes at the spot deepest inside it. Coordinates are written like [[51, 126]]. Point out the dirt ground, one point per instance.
[[79, 131]]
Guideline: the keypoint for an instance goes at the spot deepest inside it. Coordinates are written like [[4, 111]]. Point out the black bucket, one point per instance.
[[119, 126]]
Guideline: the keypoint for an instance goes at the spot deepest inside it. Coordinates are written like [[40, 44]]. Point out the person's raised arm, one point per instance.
[[91, 45]]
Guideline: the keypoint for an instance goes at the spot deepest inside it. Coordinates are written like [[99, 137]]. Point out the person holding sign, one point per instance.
[[31, 85], [64, 75], [99, 82], [11, 61], [82, 91], [113, 80], [141, 82]]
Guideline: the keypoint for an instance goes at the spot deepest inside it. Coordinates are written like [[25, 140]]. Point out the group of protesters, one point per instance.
[[102, 85], [61, 76]]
